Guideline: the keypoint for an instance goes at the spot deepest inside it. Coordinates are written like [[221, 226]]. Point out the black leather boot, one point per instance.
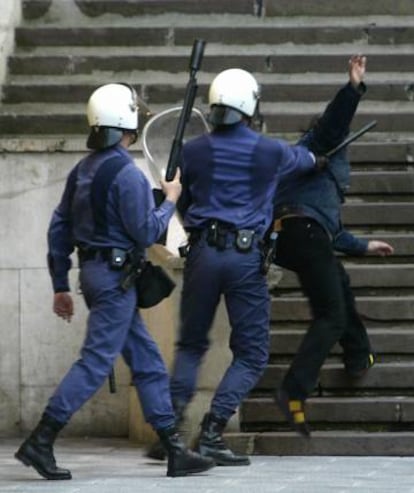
[[182, 461], [37, 450], [211, 444], [157, 450]]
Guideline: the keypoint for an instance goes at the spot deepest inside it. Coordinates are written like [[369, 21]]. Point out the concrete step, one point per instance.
[[326, 443], [385, 341], [366, 275], [272, 7], [391, 116], [308, 89], [223, 30], [395, 375], [392, 153], [279, 118], [137, 8], [333, 411], [385, 213], [382, 182], [402, 242], [397, 149], [375, 308], [288, 59], [329, 8], [43, 143], [35, 9], [49, 119]]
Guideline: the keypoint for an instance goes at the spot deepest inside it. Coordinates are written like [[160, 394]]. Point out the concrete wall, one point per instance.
[[9, 18], [36, 347]]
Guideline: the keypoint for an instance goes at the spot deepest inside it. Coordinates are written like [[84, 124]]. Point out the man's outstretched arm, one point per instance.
[[332, 126]]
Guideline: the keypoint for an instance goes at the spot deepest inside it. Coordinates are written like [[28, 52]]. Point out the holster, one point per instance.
[[151, 282], [217, 234]]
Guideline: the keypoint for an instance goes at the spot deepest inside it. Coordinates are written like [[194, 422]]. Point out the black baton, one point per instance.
[[352, 137], [112, 382]]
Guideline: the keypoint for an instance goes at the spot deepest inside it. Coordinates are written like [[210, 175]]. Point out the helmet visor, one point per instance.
[[223, 115], [103, 137]]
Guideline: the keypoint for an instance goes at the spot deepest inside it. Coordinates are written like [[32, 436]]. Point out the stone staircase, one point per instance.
[[298, 51]]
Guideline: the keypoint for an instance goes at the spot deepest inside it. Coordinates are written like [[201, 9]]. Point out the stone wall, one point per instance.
[[36, 347], [10, 17]]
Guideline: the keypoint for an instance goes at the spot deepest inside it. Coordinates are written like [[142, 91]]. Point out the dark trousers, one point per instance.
[[304, 247], [208, 274]]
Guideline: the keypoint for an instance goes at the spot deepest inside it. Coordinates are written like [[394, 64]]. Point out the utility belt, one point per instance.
[[151, 282], [116, 257], [222, 235]]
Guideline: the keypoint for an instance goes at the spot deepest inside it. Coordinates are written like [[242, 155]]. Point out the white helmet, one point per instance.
[[233, 89], [111, 109]]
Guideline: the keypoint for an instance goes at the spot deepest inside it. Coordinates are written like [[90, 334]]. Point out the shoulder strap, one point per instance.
[[71, 185], [101, 183]]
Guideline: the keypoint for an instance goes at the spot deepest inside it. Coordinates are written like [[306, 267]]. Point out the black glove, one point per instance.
[[321, 161]]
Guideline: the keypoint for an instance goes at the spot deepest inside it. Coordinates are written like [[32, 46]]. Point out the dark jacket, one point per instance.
[[319, 195]]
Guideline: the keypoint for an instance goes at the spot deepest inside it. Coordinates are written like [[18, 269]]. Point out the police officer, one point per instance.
[[229, 178], [106, 210], [309, 226]]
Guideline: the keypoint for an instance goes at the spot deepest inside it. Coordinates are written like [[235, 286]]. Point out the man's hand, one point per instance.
[[380, 248], [63, 306], [172, 189], [356, 69]]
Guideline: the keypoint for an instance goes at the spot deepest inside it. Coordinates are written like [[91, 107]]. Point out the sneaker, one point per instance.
[[359, 370], [294, 412]]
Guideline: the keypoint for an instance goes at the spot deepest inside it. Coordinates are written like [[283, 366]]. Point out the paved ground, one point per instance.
[[117, 466]]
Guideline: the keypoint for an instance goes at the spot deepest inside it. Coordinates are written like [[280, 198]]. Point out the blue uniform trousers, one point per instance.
[[114, 326], [208, 274]]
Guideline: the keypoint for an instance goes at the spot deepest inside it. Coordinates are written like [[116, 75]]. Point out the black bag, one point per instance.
[[153, 285]]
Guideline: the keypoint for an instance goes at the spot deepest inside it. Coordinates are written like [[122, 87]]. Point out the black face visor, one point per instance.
[[224, 115], [103, 137]]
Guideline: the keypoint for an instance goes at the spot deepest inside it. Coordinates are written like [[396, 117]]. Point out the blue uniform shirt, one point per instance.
[[132, 220], [231, 175]]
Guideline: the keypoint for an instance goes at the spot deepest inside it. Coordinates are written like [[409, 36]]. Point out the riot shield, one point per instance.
[[157, 137]]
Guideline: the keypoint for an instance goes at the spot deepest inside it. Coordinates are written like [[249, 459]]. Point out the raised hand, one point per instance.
[[356, 69]]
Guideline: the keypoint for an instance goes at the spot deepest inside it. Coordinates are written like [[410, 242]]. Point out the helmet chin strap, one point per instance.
[[257, 120]]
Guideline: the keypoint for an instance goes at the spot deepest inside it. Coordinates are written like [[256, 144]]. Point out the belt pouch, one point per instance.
[[244, 240], [216, 236]]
